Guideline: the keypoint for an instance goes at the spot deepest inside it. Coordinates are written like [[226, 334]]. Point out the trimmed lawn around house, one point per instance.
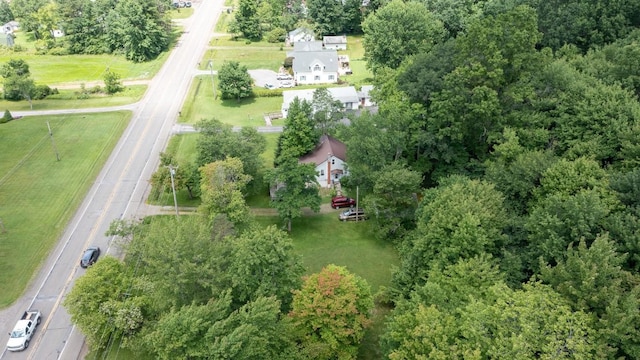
[[322, 239], [38, 195]]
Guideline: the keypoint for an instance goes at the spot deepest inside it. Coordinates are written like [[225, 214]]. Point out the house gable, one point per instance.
[[329, 159]]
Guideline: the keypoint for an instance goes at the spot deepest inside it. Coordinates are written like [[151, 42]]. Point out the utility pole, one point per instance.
[[357, 201], [55, 148], [172, 172], [213, 85]]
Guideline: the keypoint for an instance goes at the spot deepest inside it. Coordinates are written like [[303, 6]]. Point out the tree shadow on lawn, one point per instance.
[[234, 103]]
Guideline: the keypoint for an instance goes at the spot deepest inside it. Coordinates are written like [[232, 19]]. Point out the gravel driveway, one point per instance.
[[261, 77]]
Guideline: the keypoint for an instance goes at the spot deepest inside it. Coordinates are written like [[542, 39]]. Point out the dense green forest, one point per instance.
[[502, 163]]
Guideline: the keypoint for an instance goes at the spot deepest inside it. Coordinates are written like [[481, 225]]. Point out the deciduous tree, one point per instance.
[[248, 21], [393, 201], [222, 189], [330, 313], [398, 30], [17, 80], [296, 188], [326, 111], [139, 29], [263, 263], [234, 81], [460, 219]]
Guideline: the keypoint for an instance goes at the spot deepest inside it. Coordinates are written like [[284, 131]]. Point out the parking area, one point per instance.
[[270, 79]]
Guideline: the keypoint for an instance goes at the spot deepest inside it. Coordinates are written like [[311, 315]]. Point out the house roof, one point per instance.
[[346, 94], [340, 39], [301, 31], [365, 91], [307, 46], [326, 147], [303, 61]]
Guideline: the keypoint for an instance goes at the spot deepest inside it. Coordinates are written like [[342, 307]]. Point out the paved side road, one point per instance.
[[188, 129]]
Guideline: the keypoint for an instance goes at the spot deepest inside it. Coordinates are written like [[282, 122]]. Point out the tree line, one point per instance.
[[503, 164], [138, 30]]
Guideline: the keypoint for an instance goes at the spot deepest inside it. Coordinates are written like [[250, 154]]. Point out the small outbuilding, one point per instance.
[[335, 42]]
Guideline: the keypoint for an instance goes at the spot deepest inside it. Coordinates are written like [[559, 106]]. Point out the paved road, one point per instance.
[[118, 192]]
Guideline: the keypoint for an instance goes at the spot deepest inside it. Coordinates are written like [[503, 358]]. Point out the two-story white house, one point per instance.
[[315, 67], [329, 158]]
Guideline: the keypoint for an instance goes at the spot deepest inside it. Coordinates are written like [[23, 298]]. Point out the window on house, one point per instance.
[[333, 161], [331, 77], [316, 78], [336, 176], [316, 68], [321, 172], [303, 78]]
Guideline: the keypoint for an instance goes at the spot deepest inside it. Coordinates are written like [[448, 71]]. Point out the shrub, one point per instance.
[[59, 51], [258, 92], [7, 117], [41, 91], [288, 62], [276, 35]]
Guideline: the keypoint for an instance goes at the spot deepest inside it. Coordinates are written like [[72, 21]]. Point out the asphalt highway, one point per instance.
[[119, 191]]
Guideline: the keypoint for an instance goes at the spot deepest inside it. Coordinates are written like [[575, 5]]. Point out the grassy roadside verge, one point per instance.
[[68, 99], [38, 195]]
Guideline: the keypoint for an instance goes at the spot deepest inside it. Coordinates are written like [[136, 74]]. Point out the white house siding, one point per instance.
[[316, 77], [323, 168]]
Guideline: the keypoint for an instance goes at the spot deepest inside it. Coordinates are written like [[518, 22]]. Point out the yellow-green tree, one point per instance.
[[330, 313]]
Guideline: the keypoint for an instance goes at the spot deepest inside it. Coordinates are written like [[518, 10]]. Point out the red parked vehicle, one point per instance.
[[342, 201]]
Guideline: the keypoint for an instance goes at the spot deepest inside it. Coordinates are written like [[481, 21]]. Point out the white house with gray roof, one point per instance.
[[300, 34], [315, 67], [335, 42], [347, 95]]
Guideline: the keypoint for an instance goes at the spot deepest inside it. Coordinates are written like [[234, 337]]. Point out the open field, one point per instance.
[[54, 70], [38, 195]]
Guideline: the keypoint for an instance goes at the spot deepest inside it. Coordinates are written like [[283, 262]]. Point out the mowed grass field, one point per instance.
[[38, 194], [200, 105], [56, 70], [68, 99]]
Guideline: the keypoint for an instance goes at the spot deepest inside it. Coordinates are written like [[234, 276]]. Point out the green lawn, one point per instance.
[[53, 70], [246, 112], [253, 57], [227, 40], [322, 239], [68, 99], [38, 195]]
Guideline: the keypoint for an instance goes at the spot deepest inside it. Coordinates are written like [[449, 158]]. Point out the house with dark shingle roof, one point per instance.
[[329, 158]]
